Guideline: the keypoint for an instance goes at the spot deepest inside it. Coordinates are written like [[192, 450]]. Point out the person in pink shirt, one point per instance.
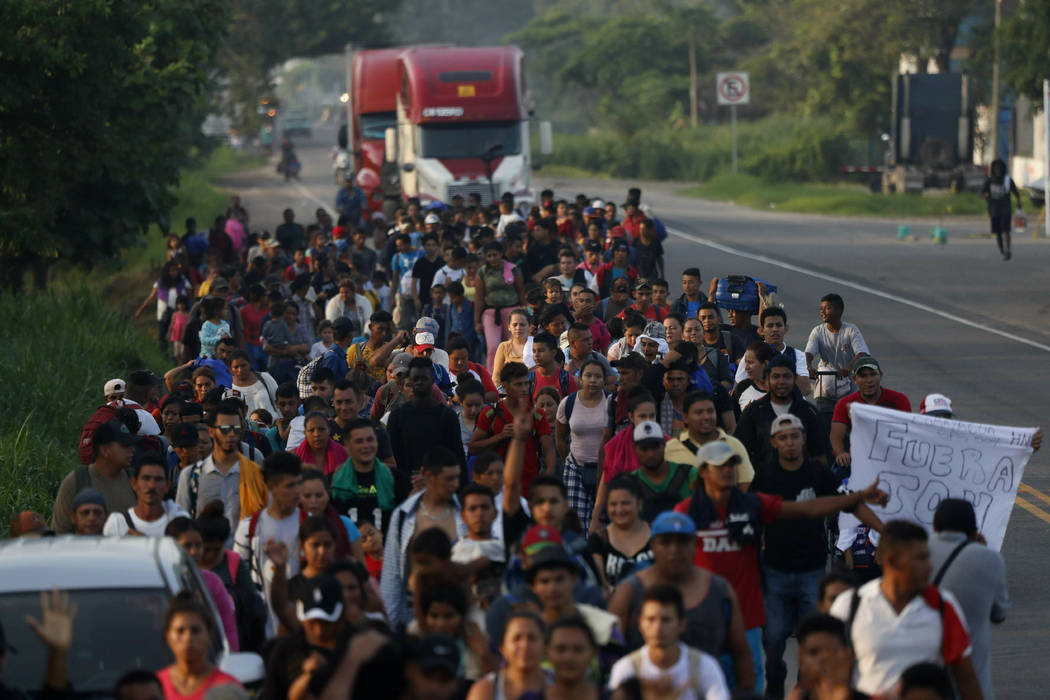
[[583, 310], [617, 456], [187, 533], [186, 631]]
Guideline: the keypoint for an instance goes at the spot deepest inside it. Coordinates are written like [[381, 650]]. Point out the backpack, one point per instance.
[[103, 414], [303, 379], [656, 502]]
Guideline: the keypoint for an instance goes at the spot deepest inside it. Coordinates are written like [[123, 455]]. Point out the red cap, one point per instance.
[[617, 232], [338, 232], [28, 522], [539, 536]]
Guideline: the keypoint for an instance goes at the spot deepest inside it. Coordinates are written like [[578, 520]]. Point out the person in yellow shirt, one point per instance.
[[701, 425]]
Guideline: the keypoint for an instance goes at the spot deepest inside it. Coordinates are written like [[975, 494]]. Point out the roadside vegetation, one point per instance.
[[60, 346]]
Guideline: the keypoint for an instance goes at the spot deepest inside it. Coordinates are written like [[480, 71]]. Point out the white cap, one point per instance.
[[425, 340], [432, 218], [786, 421], [648, 430], [936, 405], [598, 204], [114, 386]]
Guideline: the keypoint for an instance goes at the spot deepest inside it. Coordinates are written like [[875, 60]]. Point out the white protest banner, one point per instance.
[[920, 460]]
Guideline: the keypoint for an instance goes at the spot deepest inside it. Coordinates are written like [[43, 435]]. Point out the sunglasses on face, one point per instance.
[[229, 429]]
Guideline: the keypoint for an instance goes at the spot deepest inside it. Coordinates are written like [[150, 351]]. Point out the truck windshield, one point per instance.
[[115, 630], [469, 140], [374, 125]]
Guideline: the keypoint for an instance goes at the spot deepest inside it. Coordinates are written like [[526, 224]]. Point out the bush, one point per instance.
[[774, 148], [59, 349]]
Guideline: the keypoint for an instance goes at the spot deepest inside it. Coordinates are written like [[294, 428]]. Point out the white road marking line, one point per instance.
[[854, 285], [306, 192]]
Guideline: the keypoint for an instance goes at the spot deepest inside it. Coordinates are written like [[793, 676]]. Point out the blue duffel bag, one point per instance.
[[740, 293]]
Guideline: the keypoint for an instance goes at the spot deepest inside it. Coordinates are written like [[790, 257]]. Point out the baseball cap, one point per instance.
[[787, 421], [598, 204], [866, 361], [539, 536], [431, 218], [231, 393], [618, 232], [143, 377], [936, 405], [93, 495], [220, 283], [643, 283], [630, 360], [114, 386], [672, 523], [434, 652], [715, 452], [426, 324], [28, 522], [399, 363], [321, 599], [111, 432], [553, 556], [425, 341], [184, 435], [648, 430], [459, 253], [593, 246]]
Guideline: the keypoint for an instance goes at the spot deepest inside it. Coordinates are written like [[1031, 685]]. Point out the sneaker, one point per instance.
[[1006, 255]]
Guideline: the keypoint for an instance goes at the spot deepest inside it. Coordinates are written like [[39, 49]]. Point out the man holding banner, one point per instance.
[[868, 376]]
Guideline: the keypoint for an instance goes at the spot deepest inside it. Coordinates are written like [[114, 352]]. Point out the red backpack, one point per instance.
[[86, 448]]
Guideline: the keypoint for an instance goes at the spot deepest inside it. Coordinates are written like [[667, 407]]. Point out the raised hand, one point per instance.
[[56, 629]]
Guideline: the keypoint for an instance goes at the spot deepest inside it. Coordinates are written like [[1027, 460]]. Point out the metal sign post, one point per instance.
[[733, 89]]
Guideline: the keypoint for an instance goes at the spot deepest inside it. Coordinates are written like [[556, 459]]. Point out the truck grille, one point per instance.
[[479, 188]]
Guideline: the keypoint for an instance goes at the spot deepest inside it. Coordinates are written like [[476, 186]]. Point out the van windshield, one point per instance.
[[469, 140], [115, 630]]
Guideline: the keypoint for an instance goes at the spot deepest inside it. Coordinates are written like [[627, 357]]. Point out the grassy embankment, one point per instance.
[[59, 347]]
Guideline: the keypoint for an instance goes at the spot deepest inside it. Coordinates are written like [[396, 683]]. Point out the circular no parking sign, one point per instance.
[[733, 88]]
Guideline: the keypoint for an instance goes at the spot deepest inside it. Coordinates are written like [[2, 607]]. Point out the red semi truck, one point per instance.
[[462, 124], [373, 109]]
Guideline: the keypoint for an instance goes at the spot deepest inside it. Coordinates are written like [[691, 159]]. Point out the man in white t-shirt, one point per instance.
[[453, 271], [773, 328], [664, 666], [152, 510], [834, 344], [277, 524]]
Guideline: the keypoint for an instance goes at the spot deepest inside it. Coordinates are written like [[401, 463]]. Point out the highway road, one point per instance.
[[953, 319]]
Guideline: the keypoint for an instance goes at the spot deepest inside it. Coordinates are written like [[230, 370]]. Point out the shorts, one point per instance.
[[1001, 224]]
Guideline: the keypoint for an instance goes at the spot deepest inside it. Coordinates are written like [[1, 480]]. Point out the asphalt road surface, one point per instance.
[[948, 318]]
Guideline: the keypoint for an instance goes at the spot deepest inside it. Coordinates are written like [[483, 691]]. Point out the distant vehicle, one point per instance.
[[462, 124], [373, 110], [296, 123], [121, 587], [932, 134]]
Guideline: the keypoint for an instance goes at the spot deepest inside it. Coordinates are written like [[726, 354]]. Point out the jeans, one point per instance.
[[790, 598], [754, 643]]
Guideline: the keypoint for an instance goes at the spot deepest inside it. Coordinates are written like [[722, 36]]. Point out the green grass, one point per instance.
[[558, 170], [59, 347], [844, 199]]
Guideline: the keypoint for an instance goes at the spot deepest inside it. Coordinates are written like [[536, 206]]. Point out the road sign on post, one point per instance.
[[733, 89]]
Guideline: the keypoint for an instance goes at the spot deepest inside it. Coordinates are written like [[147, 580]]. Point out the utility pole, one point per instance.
[[995, 83]]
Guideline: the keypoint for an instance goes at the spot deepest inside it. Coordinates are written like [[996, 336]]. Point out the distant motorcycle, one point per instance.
[[289, 165]]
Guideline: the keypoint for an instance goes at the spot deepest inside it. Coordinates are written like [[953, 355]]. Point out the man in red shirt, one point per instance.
[[868, 375], [494, 429], [729, 526], [583, 309]]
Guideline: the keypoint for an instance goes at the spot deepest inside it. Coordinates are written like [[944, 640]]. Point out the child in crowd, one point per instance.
[[479, 513], [215, 327], [444, 609], [372, 544], [324, 331], [179, 318]]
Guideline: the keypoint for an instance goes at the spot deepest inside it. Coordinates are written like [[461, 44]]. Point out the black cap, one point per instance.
[[112, 432], [143, 377], [593, 245], [320, 599], [435, 651], [630, 360], [183, 435], [550, 557]]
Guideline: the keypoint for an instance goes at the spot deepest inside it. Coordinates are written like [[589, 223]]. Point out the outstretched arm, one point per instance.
[[514, 463], [826, 505]]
